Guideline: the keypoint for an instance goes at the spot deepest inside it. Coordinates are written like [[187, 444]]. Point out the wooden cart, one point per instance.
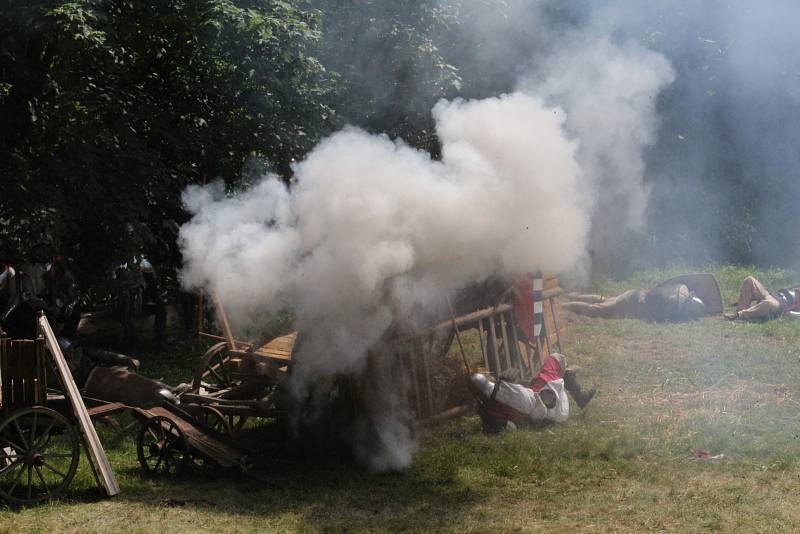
[[235, 380], [42, 428], [240, 380], [171, 438]]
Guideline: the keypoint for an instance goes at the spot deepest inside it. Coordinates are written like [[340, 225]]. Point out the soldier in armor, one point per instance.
[[138, 294], [667, 302], [44, 283], [545, 399], [756, 302]]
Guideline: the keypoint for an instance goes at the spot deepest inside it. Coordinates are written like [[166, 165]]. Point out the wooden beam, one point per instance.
[[481, 338], [506, 346], [473, 318], [415, 377], [493, 340], [92, 441], [524, 363], [446, 415], [226, 326], [426, 371], [556, 322]]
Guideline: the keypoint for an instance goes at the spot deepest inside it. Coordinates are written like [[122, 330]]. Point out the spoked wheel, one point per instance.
[[212, 374], [213, 419], [236, 423], [161, 447], [39, 453]]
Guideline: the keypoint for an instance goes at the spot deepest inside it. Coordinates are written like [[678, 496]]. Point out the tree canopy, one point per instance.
[[109, 108]]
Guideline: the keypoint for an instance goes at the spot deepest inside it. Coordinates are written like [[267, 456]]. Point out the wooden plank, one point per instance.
[[110, 408], [539, 353], [415, 377], [224, 454], [97, 454], [446, 415], [426, 371], [506, 346], [481, 338], [404, 371], [223, 318], [241, 345], [285, 342], [472, 318], [274, 355], [554, 311], [3, 359], [493, 341], [524, 364]]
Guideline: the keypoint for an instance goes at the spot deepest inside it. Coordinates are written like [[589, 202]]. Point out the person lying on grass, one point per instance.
[[757, 303], [545, 399], [667, 302]]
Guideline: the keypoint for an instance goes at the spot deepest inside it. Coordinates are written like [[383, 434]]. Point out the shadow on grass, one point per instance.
[[319, 489]]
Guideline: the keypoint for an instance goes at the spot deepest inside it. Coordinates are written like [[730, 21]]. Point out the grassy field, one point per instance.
[[624, 464]]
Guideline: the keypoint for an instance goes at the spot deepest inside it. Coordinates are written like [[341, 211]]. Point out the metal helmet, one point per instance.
[[695, 307]]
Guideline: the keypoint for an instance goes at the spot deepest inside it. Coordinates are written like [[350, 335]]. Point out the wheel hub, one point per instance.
[[37, 459], [156, 448]]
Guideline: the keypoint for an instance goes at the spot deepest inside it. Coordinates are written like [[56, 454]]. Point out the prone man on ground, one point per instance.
[[666, 302], [757, 303], [545, 399]]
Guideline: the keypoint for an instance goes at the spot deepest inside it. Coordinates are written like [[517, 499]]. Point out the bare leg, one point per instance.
[[624, 305], [602, 309], [765, 304], [751, 290], [590, 298]]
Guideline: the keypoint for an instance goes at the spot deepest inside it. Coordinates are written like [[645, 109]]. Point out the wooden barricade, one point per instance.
[[504, 350], [23, 374]]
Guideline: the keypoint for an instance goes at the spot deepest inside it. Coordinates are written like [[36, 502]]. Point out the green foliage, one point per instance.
[[392, 70], [111, 107]]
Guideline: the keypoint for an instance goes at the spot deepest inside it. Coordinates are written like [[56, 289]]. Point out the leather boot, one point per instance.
[[581, 398]]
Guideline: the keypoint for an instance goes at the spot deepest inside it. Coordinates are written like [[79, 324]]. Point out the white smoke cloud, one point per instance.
[[609, 92], [374, 228]]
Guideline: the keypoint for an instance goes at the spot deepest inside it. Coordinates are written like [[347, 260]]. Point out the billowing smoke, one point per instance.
[[609, 93], [722, 172], [373, 230]]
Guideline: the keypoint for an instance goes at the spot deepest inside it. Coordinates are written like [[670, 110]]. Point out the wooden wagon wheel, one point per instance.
[[236, 422], [212, 372], [213, 419], [161, 447], [39, 453]]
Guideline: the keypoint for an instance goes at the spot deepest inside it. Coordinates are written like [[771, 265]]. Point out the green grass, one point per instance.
[[624, 464]]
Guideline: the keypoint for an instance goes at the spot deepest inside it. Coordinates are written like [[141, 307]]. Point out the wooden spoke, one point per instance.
[[161, 447], [46, 462], [212, 371], [213, 419]]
